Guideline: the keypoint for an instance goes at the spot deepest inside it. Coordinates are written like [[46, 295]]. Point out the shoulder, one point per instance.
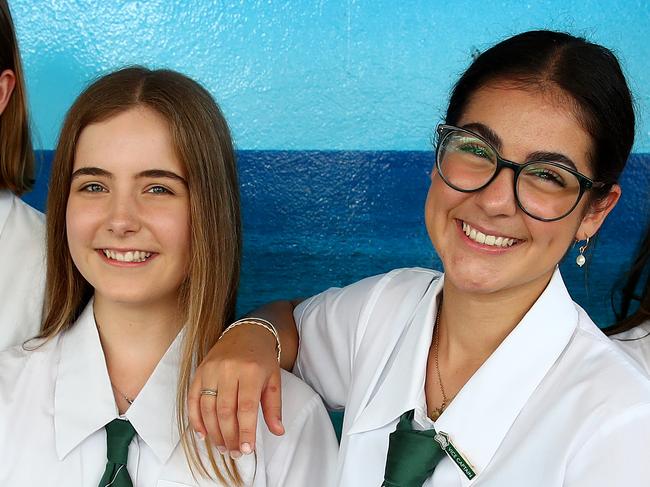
[[306, 421], [24, 227], [28, 216], [394, 284], [603, 371], [298, 399], [29, 363], [636, 344]]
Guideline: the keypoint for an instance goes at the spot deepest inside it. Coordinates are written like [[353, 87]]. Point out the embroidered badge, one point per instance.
[[445, 443]]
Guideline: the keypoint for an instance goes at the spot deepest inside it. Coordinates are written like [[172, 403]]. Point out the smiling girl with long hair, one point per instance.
[[143, 252]]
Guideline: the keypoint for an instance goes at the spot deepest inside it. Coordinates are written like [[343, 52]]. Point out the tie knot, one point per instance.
[[412, 455], [119, 434]]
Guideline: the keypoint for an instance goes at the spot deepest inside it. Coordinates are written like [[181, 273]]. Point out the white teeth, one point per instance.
[[490, 240], [130, 256]]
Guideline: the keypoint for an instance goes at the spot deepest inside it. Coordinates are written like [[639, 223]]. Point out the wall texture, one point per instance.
[[359, 76], [355, 74]]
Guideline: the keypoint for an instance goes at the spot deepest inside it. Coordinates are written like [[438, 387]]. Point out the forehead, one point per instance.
[[131, 141], [531, 119]]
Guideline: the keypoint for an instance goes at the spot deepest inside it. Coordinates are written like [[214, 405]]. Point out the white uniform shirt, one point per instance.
[[55, 401], [555, 405], [22, 270], [636, 343]]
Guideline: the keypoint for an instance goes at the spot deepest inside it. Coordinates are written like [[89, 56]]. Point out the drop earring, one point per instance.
[[581, 259]]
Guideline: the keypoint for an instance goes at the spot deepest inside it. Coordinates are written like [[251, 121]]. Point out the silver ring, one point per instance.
[[208, 392]]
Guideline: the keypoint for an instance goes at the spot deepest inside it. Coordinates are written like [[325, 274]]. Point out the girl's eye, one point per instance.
[[93, 188], [476, 149], [158, 190], [545, 174]]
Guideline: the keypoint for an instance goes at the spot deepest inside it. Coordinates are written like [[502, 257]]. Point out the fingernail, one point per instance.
[[246, 449], [199, 436], [235, 454], [222, 449]]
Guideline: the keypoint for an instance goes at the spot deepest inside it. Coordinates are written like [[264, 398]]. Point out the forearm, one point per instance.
[[280, 313]]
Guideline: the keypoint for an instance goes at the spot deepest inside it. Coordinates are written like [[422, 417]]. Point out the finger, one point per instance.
[[227, 417], [272, 404], [194, 407], [248, 406], [208, 408]]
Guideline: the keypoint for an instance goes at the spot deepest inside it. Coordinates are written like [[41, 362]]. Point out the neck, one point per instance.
[[474, 325], [134, 339]]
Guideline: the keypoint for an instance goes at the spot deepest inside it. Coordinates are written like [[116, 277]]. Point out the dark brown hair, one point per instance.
[[16, 153], [588, 73], [639, 273]]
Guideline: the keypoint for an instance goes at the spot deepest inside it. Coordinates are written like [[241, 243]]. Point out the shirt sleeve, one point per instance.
[[307, 453], [615, 455], [330, 326]]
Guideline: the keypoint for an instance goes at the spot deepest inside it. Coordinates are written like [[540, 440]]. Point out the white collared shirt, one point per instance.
[[55, 401], [555, 405], [22, 270], [636, 343]]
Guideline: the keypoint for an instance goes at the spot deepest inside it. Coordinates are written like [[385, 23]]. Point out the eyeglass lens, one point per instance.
[[544, 190]]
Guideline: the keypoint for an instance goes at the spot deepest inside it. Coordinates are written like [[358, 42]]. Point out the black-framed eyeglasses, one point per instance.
[[544, 190]]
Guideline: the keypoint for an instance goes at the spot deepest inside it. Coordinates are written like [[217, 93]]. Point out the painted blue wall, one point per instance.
[[356, 75], [371, 74]]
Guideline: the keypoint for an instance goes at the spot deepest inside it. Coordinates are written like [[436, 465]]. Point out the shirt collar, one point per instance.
[[481, 414], [6, 202], [84, 401], [399, 380]]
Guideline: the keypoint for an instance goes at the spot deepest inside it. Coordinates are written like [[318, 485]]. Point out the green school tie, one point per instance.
[[412, 455], [119, 434]]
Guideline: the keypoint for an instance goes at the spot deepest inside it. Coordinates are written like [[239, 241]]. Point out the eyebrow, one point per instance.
[[552, 157], [486, 132], [150, 173], [543, 156]]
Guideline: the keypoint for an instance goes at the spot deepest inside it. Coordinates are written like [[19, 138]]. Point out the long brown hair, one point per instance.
[[202, 142], [16, 153]]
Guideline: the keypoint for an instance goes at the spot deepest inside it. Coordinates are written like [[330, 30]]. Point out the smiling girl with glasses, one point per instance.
[[490, 372]]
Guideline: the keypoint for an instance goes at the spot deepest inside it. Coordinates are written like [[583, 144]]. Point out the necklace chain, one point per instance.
[[124, 396], [436, 412]]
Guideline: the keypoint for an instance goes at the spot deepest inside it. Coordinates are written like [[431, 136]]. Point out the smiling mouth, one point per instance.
[[129, 256], [491, 240]]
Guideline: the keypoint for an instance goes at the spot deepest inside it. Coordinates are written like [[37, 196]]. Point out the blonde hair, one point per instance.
[[16, 153], [202, 142]]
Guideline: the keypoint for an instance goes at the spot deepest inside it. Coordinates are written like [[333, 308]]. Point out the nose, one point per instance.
[[123, 219], [498, 198]]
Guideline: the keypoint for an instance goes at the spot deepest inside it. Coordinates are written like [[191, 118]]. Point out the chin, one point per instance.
[[475, 281]]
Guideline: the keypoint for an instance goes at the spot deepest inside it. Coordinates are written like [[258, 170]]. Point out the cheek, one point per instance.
[[78, 223], [83, 223], [557, 236], [175, 231], [441, 199]]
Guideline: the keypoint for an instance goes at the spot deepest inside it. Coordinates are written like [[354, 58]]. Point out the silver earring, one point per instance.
[[581, 259]]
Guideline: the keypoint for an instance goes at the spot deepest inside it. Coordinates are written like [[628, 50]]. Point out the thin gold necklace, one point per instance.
[[124, 396], [436, 412]]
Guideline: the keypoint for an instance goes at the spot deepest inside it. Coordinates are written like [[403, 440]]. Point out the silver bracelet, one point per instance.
[[267, 325]]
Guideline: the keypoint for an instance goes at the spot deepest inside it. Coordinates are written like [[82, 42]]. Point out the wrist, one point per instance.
[[261, 323]]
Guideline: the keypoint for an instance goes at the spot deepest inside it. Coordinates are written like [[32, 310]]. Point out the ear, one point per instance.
[[597, 212], [7, 84]]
